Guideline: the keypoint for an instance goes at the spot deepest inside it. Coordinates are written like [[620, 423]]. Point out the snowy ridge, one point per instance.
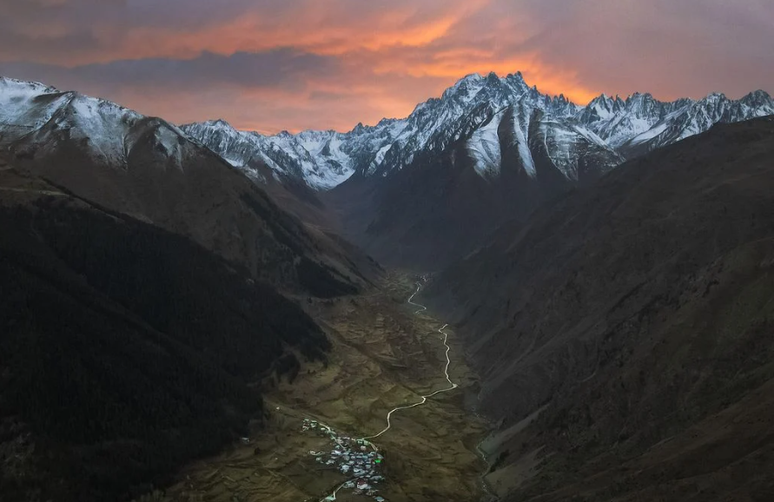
[[37, 117], [696, 117], [100, 123], [18, 107], [314, 156]]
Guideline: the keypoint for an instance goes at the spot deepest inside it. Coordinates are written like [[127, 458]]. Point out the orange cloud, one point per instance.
[[301, 64], [333, 28]]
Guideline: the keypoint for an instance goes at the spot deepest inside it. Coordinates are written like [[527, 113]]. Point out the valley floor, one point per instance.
[[383, 356]]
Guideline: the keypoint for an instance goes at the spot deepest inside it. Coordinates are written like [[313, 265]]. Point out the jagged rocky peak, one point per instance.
[[465, 88], [507, 90], [716, 96], [218, 123], [603, 107], [757, 98], [517, 78], [360, 128]]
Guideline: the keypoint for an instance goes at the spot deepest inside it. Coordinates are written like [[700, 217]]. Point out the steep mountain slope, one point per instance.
[[149, 169], [623, 333], [127, 350], [445, 204]]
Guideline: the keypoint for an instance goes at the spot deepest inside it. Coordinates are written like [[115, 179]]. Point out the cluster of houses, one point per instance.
[[358, 458]]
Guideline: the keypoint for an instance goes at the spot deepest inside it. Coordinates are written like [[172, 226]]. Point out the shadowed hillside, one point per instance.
[[624, 333], [149, 169], [127, 350]]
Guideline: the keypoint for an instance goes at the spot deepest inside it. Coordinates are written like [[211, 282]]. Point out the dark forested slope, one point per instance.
[[126, 350]]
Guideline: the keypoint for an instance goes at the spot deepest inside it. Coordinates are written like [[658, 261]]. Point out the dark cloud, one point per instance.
[[290, 64], [285, 68], [671, 48]]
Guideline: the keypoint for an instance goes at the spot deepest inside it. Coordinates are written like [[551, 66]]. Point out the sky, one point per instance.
[[272, 65]]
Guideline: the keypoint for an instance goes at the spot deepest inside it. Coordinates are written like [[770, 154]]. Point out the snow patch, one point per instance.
[[169, 140], [650, 134], [484, 148]]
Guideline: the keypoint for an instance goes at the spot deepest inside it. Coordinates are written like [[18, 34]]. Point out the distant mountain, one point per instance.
[[149, 169], [473, 109], [623, 332], [418, 192], [312, 156], [426, 190], [641, 123]]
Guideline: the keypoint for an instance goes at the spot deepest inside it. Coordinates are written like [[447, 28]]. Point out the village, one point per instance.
[[358, 458]]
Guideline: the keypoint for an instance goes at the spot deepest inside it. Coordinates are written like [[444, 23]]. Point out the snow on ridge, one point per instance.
[[21, 87], [42, 113], [103, 124], [168, 139], [484, 148], [20, 107], [649, 134], [524, 154]]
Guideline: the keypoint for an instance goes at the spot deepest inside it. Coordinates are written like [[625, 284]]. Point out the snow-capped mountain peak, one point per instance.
[[35, 119]]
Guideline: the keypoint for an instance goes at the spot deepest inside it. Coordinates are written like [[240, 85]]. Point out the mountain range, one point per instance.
[[418, 192], [423, 191], [500, 119]]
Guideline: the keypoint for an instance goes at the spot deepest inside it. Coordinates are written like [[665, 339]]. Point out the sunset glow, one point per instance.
[[270, 65]]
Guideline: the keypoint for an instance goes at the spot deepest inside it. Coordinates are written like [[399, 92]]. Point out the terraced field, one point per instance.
[[384, 356]]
